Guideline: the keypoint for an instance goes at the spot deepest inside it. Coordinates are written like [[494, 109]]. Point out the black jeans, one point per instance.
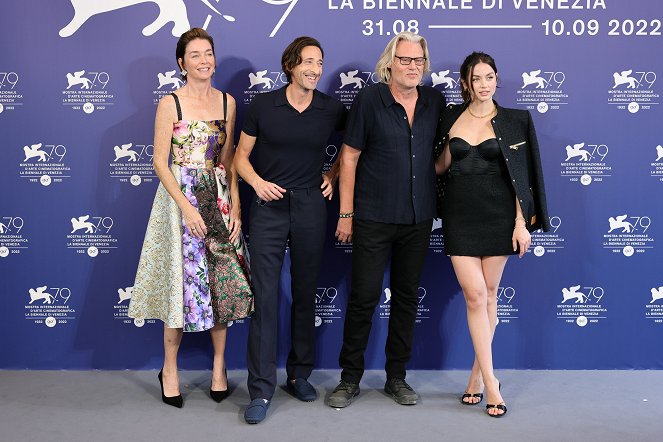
[[301, 217], [373, 242]]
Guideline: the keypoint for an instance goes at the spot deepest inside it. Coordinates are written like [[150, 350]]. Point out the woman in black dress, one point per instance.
[[493, 197]]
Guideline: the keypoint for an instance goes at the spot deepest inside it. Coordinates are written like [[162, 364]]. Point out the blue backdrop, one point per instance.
[[79, 83]]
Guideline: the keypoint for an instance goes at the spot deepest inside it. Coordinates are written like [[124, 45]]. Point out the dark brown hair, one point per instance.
[[292, 55], [467, 70], [188, 37]]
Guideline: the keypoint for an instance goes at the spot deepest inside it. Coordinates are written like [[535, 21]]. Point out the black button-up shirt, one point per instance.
[[290, 146], [395, 178]]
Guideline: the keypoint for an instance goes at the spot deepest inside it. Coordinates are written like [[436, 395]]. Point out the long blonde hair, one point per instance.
[[382, 69]]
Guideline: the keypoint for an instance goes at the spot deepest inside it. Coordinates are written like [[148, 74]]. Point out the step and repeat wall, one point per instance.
[[79, 85]]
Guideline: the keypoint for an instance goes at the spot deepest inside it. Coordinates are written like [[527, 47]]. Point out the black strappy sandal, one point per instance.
[[467, 395], [498, 407]]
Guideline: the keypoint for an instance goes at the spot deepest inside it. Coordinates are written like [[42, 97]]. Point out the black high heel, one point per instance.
[[500, 406], [175, 401], [219, 395], [471, 396]]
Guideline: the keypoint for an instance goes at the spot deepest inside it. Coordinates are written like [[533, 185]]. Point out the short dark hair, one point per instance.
[[292, 55], [188, 37], [467, 69]]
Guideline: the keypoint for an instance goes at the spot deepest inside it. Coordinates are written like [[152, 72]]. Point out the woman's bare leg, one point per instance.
[[172, 337], [219, 380], [479, 279]]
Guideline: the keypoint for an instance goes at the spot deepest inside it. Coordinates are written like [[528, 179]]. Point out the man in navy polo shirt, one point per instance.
[[387, 193], [288, 129]]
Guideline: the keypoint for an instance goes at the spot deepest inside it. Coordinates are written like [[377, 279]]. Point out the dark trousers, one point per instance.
[[301, 217], [372, 244]]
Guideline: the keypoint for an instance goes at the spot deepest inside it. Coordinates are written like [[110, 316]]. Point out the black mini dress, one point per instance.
[[479, 202]]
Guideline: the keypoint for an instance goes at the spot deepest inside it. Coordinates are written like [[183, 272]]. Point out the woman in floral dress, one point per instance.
[[193, 272]]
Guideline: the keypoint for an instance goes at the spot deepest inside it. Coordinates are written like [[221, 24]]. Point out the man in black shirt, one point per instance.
[[288, 129], [387, 192]]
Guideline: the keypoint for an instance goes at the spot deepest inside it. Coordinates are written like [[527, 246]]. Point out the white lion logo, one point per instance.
[[437, 224], [573, 293], [624, 77], [656, 294], [34, 151], [82, 223], [577, 151], [659, 152], [40, 293], [350, 78], [259, 78], [125, 151], [77, 78], [125, 294], [169, 79], [618, 222], [169, 11], [387, 293], [441, 78], [533, 78]]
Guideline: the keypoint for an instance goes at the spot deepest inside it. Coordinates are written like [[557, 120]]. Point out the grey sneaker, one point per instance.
[[401, 392], [343, 394]]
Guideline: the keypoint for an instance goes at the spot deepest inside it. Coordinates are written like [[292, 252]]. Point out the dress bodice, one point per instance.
[[483, 159], [197, 143]]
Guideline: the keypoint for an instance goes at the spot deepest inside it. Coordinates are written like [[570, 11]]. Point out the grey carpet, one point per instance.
[[125, 406]]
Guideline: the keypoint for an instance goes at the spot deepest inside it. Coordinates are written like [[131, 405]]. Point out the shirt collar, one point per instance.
[[385, 94], [280, 98], [388, 99]]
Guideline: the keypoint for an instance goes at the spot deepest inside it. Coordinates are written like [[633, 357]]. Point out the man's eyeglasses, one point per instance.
[[419, 61]]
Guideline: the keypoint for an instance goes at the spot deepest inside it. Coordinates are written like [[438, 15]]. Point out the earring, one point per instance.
[[184, 72]]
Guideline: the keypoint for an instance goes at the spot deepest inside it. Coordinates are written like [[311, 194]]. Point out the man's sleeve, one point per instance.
[[356, 133]]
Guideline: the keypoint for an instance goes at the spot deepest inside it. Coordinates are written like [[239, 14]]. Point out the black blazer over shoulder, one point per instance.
[[516, 137]]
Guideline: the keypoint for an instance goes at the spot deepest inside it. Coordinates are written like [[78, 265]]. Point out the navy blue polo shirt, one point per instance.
[[290, 148], [395, 178]]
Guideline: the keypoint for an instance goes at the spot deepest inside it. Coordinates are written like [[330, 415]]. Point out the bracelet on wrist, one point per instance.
[[520, 218], [346, 214]]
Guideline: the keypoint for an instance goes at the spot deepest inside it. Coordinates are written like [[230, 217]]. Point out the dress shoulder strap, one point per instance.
[[225, 105], [177, 105]]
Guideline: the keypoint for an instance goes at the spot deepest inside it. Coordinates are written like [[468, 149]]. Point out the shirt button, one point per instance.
[[513, 181], [493, 121], [413, 176], [500, 138], [507, 159], [412, 136], [405, 118], [413, 156]]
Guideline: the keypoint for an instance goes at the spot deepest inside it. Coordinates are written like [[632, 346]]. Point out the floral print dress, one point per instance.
[[189, 282]]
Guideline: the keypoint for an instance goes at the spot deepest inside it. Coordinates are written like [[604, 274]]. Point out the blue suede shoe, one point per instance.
[[256, 411], [302, 390]]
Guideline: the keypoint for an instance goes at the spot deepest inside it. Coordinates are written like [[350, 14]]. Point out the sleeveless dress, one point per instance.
[[188, 282], [479, 201]]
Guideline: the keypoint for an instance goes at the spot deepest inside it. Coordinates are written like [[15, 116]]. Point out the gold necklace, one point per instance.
[[482, 116]]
